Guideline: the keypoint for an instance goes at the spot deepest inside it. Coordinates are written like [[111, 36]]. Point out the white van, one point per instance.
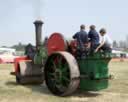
[[7, 55]]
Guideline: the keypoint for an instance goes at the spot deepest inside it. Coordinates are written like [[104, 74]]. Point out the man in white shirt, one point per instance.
[[105, 42]]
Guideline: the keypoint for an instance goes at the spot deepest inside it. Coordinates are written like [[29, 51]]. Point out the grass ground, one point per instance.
[[117, 91]]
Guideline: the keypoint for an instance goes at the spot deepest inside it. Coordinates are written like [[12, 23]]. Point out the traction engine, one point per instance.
[[63, 71]]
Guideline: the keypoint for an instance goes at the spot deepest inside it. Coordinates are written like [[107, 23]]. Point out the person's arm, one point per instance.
[[75, 36], [101, 44]]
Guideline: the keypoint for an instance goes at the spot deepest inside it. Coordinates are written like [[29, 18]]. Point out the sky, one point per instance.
[[64, 16]]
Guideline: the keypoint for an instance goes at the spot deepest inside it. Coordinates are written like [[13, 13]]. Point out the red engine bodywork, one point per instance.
[[17, 60], [56, 42]]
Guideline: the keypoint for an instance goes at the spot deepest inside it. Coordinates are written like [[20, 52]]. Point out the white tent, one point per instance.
[[7, 50]]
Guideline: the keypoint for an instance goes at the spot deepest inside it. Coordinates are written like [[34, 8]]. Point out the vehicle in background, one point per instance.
[[119, 54], [7, 55]]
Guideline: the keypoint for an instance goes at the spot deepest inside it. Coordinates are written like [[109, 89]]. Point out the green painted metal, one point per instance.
[[40, 56], [95, 68]]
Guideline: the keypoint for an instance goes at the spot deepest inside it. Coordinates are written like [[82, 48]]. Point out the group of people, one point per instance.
[[93, 40]]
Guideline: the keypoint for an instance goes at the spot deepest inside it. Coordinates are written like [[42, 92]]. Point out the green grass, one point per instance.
[[11, 92]]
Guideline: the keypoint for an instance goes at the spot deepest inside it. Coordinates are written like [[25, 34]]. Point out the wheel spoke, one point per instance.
[[65, 79], [54, 65], [59, 61], [60, 85], [64, 69]]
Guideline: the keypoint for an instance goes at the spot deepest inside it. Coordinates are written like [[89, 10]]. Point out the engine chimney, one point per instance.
[[38, 31]]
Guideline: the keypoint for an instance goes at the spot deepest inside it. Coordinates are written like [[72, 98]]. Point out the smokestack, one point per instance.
[[38, 31]]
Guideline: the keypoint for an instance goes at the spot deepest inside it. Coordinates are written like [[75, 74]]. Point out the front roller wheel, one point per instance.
[[61, 73]]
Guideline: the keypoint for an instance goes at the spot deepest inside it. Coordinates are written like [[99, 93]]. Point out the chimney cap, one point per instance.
[[38, 22]]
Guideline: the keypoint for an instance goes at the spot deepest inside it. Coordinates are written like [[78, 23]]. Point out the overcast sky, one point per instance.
[[65, 16]]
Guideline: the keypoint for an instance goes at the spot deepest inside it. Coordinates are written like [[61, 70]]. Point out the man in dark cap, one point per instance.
[[30, 51], [82, 39], [93, 37]]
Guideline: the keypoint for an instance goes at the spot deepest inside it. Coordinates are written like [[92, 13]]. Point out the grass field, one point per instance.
[[117, 91]]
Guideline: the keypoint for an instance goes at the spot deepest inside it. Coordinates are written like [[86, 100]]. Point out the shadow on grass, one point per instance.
[[81, 94], [42, 89], [39, 88]]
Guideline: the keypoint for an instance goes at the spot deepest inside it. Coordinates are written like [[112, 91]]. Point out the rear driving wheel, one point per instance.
[[61, 74]]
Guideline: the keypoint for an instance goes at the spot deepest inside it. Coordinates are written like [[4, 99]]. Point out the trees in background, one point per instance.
[[19, 47]]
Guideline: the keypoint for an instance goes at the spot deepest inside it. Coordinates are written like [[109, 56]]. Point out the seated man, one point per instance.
[[30, 51], [93, 38], [106, 42], [82, 39]]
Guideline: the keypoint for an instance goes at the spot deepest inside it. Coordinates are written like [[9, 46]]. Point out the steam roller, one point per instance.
[[29, 68], [61, 66]]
